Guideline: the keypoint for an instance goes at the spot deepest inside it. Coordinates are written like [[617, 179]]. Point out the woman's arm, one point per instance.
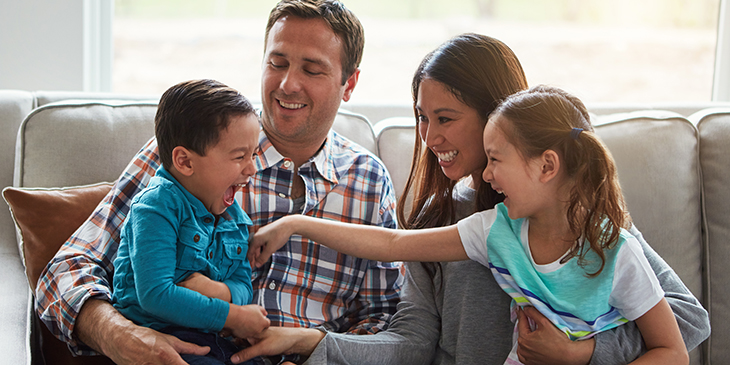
[[411, 338], [624, 343], [369, 242]]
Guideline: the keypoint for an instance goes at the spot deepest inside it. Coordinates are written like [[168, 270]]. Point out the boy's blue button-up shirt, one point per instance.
[[169, 235]]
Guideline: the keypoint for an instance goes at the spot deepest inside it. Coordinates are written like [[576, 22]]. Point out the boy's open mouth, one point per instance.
[[230, 194]]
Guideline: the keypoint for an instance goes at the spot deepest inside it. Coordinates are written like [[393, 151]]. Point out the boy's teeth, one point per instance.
[[448, 156], [290, 105]]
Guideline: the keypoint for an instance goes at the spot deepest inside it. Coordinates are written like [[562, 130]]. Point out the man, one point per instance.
[[312, 53]]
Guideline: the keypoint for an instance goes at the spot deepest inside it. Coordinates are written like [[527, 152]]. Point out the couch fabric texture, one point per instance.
[[674, 170]]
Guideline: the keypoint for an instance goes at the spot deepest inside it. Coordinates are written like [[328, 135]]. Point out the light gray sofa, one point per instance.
[[673, 160]]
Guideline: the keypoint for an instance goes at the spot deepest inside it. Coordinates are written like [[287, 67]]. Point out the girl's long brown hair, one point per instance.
[[544, 118], [479, 71]]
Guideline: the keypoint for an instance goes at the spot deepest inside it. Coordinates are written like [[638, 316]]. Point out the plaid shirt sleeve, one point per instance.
[[83, 267]]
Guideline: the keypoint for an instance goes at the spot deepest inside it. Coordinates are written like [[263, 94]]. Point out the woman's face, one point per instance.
[[452, 131]]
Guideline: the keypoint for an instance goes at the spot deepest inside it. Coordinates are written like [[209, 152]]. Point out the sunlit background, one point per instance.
[[603, 51]]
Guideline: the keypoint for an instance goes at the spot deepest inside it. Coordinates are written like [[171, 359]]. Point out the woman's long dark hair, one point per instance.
[[480, 72]]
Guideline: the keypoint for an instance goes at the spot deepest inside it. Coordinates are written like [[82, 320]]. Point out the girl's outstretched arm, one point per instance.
[[359, 240], [661, 335]]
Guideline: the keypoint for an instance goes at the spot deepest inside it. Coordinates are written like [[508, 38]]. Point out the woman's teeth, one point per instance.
[[290, 105], [448, 156]]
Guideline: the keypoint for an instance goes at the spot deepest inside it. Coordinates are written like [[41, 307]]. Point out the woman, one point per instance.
[[455, 313]]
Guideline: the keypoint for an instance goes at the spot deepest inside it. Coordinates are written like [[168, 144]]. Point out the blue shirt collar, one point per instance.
[[233, 213]]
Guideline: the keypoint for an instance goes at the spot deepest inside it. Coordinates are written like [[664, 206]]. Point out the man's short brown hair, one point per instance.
[[343, 22]]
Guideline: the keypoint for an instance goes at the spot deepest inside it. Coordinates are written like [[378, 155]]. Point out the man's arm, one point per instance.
[[82, 269], [126, 343]]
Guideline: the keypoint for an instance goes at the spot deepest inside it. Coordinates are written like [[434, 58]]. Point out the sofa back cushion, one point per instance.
[[396, 137], [714, 129], [44, 97], [356, 128], [657, 156], [80, 142], [14, 106]]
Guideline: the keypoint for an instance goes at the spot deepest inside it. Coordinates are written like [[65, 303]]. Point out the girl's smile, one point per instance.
[[509, 174]]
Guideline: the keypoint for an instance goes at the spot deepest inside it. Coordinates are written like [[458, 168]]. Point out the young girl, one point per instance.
[[557, 242]]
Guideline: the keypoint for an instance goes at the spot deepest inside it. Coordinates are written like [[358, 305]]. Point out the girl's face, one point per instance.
[[451, 130], [509, 173]]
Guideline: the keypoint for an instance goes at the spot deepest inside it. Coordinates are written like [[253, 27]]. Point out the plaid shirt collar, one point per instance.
[[322, 160]]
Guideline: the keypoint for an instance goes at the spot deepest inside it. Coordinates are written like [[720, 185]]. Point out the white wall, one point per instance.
[[55, 45], [721, 86]]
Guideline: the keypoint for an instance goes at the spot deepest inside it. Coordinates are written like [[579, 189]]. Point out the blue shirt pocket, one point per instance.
[[235, 255], [191, 248]]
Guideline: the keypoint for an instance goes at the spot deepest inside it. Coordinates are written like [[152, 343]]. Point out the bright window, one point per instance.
[[622, 50]]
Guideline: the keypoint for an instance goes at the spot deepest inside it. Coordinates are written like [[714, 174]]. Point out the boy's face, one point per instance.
[[227, 165]]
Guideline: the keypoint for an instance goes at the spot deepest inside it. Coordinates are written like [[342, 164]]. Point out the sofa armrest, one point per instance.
[[15, 306]]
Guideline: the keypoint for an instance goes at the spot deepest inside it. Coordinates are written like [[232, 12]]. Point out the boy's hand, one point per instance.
[[268, 239], [246, 321], [204, 285]]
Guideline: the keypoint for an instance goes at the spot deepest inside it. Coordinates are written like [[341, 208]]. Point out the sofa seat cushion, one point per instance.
[[46, 217]]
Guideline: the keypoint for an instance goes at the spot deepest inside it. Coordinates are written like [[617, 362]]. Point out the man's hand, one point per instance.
[[104, 329], [206, 286], [246, 321], [547, 344], [142, 345], [280, 341]]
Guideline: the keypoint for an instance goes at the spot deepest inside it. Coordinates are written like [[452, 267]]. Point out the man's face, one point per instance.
[[301, 85]]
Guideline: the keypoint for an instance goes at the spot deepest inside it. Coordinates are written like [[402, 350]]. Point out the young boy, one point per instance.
[[181, 267]]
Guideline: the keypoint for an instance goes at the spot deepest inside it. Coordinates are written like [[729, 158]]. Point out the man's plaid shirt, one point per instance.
[[304, 284]]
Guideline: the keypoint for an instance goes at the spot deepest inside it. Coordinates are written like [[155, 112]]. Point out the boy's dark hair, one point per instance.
[[343, 22], [192, 114]]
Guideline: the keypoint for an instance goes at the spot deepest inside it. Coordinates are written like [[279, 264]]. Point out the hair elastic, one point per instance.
[[575, 133]]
